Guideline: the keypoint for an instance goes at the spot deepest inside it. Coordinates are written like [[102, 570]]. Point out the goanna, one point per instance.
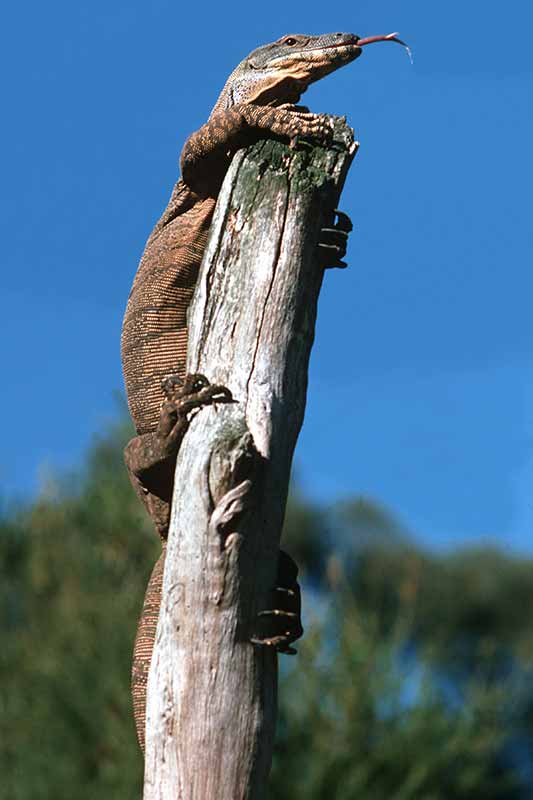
[[259, 100]]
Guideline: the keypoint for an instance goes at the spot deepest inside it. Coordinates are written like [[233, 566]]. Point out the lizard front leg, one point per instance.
[[207, 152], [151, 457]]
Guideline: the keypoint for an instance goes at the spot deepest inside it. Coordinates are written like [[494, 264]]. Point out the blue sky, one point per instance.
[[421, 384]]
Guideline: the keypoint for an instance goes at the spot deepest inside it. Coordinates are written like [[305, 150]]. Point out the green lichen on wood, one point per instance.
[[308, 166]]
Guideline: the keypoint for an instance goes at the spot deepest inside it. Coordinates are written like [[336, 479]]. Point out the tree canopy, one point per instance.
[[414, 679]]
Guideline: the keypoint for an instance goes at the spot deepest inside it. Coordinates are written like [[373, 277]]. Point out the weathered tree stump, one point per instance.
[[212, 696]]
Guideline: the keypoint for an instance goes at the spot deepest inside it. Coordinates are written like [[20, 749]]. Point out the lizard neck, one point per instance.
[[271, 91]]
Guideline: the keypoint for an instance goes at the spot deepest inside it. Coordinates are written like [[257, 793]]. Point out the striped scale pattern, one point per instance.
[[144, 644], [154, 333]]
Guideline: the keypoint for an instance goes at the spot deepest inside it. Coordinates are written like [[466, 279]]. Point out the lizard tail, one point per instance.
[[144, 645]]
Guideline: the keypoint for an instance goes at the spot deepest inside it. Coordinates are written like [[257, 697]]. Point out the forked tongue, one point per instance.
[[389, 37]]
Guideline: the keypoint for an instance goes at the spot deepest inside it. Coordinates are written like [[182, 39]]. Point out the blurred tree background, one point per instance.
[[414, 679]]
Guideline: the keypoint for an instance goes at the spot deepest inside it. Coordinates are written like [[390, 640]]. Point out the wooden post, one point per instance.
[[212, 696]]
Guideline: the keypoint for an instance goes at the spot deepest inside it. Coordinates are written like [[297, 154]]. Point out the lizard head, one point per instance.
[[281, 72]]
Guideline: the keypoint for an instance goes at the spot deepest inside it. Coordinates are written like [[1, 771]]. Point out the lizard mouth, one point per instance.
[[362, 42]]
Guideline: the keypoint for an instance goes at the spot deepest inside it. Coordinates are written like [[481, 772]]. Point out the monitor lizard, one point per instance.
[[259, 100]]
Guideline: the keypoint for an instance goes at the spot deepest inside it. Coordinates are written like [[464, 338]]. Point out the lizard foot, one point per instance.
[[333, 241], [184, 398], [302, 125], [193, 392], [282, 625]]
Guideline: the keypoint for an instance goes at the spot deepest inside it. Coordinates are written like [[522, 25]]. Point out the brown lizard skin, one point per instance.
[[258, 101]]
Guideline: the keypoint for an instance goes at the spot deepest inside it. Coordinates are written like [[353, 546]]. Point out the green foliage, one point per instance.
[[73, 570], [365, 708], [363, 720], [306, 535], [466, 606]]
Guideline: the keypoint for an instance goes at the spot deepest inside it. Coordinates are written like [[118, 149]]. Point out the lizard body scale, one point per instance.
[[258, 100]]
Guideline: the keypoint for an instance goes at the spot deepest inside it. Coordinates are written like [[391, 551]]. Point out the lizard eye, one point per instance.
[[290, 41]]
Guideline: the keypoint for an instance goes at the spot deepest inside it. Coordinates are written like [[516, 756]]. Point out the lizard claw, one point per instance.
[[175, 386], [333, 241], [195, 390], [183, 399], [344, 222]]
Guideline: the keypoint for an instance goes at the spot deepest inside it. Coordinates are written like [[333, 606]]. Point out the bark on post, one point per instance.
[[212, 696]]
